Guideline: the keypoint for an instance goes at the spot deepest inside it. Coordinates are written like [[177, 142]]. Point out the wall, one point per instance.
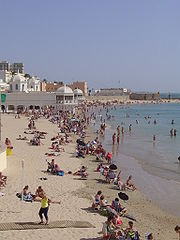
[[3, 158], [80, 85], [27, 99], [43, 86], [108, 98], [111, 92], [52, 87], [145, 96]]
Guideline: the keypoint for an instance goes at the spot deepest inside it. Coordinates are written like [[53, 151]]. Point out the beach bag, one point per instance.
[[18, 195], [104, 212], [60, 173]]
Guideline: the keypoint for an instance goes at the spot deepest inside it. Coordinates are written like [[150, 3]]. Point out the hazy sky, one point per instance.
[[110, 43]]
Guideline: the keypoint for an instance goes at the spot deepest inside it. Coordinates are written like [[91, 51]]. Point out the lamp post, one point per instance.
[[0, 115], [2, 99], [22, 179]]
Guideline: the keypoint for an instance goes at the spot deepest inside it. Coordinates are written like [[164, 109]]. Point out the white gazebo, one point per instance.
[[65, 98], [78, 95]]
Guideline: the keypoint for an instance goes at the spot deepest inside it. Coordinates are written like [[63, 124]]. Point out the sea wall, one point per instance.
[[108, 98], [145, 96]]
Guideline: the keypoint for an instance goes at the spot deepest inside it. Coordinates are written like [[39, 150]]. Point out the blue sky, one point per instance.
[[134, 44]]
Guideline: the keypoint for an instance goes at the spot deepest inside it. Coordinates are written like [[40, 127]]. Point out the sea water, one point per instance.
[[153, 164]]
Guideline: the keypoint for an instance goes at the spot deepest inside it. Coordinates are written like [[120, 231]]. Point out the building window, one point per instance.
[[16, 86], [69, 98]]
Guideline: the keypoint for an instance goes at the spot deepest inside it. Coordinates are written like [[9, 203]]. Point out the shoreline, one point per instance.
[[157, 183], [147, 213], [148, 181]]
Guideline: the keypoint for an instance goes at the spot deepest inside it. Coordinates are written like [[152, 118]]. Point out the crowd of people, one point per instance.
[[77, 124]]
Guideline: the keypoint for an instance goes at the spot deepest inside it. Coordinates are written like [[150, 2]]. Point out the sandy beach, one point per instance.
[[75, 195]]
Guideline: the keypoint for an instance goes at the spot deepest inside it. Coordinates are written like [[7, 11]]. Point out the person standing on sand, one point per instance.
[[130, 127], [177, 230], [122, 130], [118, 139], [171, 132], [113, 138], [45, 202], [118, 130]]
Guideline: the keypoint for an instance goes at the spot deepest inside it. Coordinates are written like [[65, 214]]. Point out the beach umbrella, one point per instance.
[[81, 142], [123, 196], [74, 120], [113, 167]]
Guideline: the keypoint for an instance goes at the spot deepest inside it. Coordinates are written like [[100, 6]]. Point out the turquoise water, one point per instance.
[[159, 157]]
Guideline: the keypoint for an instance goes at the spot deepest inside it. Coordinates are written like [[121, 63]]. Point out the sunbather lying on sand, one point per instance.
[[81, 172], [3, 178], [21, 138]]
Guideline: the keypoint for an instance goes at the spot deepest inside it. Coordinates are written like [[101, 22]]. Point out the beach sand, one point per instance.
[[75, 195]]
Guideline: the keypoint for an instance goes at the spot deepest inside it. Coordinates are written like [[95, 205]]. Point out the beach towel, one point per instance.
[[60, 173], [129, 217], [26, 199]]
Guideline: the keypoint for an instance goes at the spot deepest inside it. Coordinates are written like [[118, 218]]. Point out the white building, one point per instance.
[[62, 99], [3, 86], [19, 83], [13, 67], [17, 67], [5, 75], [33, 84], [5, 66]]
